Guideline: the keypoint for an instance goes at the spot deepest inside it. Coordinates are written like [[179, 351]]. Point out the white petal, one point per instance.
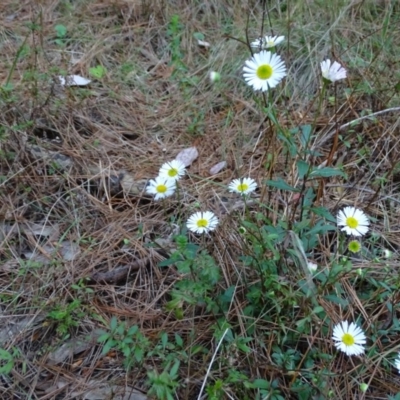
[[73, 80], [218, 167], [202, 43], [187, 156]]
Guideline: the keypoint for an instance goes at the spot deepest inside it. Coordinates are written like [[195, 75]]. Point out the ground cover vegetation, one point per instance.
[[199, 199]]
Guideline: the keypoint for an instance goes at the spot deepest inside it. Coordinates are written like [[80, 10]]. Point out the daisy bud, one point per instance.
[[215, 76]]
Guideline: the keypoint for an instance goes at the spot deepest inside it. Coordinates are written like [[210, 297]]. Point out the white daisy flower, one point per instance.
[[202, 222], [353, 221], [332, 72], [349, 338], [174, 169], [312, 267], [387, 253], [267, 42], [243, 186], [161, 187], [258, 43], [397, 363], [264, 70]]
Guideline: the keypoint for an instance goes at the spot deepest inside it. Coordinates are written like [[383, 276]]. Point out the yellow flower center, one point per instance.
[[202, 223], [264, 71], [348, 339], [270, 43], [351, 222], [354, 246], [161, 188], [172, 172], [242, 187]]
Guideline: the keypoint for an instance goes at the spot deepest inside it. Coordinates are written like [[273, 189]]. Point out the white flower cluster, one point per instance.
[[164, 185], [264, 70]]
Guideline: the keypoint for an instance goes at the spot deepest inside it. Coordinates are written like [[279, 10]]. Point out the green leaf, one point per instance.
[[305, 134], [323, 212], [126, 351], [191, 250], [98, 72], [334, 299], [175, 368], [321, 228], [120, 329], [164, 339], [227, 296], [178, 340], [102, 338], [299, 226], [138, 354], [260, 384], [326, 172], [108, 346], [61, 31], [113, 323], [243, 347], [8, 87], [281, 184], [303, 168], [198, 35], [318, 310], [184, 266], [178, 313], [167, 262], [6, 362], [308, 198]]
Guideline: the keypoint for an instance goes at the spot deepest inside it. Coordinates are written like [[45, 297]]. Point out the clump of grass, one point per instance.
[[241, 302]]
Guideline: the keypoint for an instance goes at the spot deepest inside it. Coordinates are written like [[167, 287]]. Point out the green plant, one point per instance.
[[200, 274], [81, 287], [128, 340], [266, 389], [7, 360], [98, 72], [67, 316], [61, 35], [174, 33], [164, 385]]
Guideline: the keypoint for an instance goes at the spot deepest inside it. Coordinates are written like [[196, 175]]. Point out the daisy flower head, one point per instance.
[[243, 186], [353, 221], [267, 42], [349, 338], [202, 222], [364, 387], [214, 76], [387, 253], [354, 246], [174, 169], [312, 267], [161, 187], [332, 72], [258, 43], [242, 230], [264, 70], [397, 363]]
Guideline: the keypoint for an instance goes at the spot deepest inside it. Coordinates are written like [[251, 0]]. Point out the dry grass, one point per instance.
[[89, 222]]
